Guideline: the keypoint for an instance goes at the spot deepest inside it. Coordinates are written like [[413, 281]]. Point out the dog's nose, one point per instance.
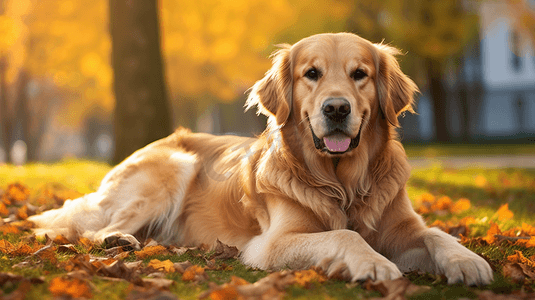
[[336, 109]]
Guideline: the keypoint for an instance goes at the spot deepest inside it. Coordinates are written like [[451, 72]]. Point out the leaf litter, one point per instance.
[[147, 280]]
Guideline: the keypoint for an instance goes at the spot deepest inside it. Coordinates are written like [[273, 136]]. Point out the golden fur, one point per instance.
[[281, 198]]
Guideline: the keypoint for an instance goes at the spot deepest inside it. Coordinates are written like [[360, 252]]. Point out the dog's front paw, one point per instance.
[[121, 239], [374, 267], [468, 268]]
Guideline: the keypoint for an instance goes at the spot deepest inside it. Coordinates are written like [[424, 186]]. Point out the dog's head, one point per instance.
[[332, 86]]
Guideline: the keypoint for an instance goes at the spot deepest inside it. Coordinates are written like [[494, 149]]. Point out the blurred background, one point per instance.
[[101, 78]]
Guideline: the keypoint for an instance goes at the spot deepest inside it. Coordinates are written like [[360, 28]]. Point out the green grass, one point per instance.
[[435, 150], [486, 189]]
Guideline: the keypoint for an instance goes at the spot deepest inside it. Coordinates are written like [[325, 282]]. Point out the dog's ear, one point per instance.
[[273, 93], [395, 90]]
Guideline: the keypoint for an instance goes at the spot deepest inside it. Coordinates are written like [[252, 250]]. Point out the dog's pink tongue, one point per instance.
[[337, 143]]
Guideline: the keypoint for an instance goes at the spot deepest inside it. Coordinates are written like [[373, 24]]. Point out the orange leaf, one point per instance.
[[460, 205], [22, 213], [443, 203], [21, 250], [166, 265], [3, 210], [17, 193], [8, 228], [528, 229], [88, 245], [191, 273], [518, 257], [504, 213], [226, 293], [150, 250], [75, 287], [305, 277], [6, 247], [493, 230]]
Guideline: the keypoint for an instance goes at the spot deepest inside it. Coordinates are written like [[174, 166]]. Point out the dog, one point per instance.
[[324, 185]]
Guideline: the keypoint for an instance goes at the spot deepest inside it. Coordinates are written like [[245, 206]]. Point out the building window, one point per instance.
[[516, 50]]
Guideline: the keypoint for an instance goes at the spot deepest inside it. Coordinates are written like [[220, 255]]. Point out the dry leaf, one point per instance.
[[306, 277], [395, 289], [8, 228], [61, 240], [6, 247], [223, 251], [460, 205], [67, 249], [74, 287], [182, 266], [194, 273], [518, 257], [514, 271], [151, 250], [4, 212], [504, 214], [493, 230], [166, 266]]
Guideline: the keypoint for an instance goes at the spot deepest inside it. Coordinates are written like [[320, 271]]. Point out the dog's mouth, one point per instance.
[[336, 142]]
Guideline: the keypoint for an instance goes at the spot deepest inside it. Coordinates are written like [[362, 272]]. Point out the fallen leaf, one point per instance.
[[22, 213], [22, 250], [73, 287], [166, 266], [460, 205], [8, 228], [518, 257], [67, 249], [515, 272], [47, 253], [194, 273], [395, 289], [4, 212], [151, 250], [493, 230], [306, 277], [6, 247], [16, 193], [61, 240], [503, 213], [182, 266], [223, 251]]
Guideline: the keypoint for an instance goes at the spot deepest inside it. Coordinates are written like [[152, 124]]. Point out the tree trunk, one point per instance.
[[5, 111], [439, 99], [142, 113]]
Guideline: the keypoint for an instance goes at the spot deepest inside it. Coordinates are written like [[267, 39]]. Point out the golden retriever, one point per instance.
[[324, 185]]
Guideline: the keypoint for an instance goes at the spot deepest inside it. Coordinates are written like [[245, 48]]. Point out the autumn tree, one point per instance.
[[434, 31], [141, 110]]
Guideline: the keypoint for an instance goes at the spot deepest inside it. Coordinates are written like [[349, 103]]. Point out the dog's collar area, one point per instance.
[[320, 144]]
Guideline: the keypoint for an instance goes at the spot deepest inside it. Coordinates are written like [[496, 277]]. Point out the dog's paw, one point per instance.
[[468, 268], [127, 241], [373, 267]]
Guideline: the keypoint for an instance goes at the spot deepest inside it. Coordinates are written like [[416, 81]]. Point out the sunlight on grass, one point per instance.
[[80, 175]]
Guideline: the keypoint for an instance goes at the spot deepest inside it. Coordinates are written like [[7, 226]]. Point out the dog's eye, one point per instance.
[[358, 74], [313, 74]]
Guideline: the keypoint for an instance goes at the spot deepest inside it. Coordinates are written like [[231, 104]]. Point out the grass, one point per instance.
[[486, 189]]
